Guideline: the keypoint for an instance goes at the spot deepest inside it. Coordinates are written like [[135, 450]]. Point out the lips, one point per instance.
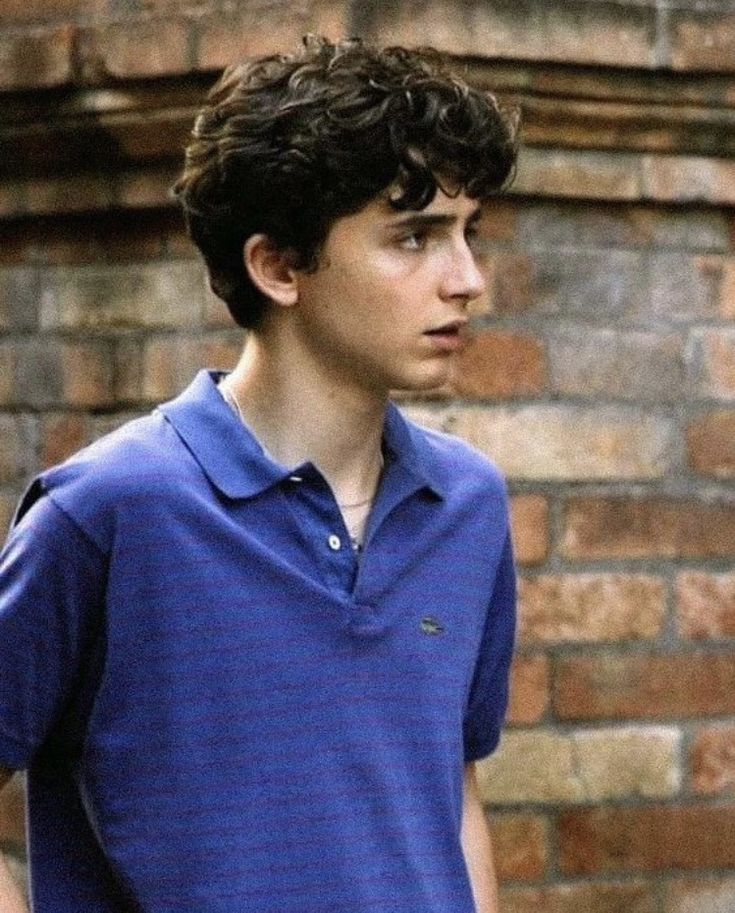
[[448, 337], [447, 329]]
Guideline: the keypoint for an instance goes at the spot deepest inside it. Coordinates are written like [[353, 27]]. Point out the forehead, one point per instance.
[[457, 207]]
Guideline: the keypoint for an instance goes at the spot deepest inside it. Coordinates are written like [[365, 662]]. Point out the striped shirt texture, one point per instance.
[[221, 706]]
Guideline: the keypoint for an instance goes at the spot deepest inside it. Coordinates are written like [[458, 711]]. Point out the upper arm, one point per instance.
[[51, 592]]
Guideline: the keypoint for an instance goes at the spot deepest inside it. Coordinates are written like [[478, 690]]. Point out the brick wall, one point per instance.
[[601, 378]]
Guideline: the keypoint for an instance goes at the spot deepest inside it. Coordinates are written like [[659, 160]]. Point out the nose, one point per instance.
[[463, 279]]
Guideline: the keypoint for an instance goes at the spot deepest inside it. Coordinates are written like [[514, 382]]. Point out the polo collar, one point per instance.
[[234, 461]]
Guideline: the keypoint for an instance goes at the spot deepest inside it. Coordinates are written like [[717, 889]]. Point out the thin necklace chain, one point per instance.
[[230, 398]]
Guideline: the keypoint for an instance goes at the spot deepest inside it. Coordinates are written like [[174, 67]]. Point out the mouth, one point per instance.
[[448, 336]]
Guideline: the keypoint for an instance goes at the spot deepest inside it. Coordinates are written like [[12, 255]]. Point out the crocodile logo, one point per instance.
[[431, 626]]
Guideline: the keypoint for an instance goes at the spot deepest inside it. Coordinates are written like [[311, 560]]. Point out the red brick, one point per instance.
[[23, 12], [87, 371], [520, 843], [578, 174], [612, 364], [712, 356], [711, 443], [529, 516], [651, 839], [147, 187], [512, 290], [62, 434], [13, 453], [727, 289], [550, 441], [558, 608], [713, 761], [581, 898], [36, 58], [500, 365], [681, 179], [170, 362], [12, 814], [499, 220], [7, 375], [647, 528], [267, 27], [132, 49], [527, 29], [609, 686], [702, 40], [8, 504], [69, 194], [529, 690], [706, 604], [701, 895]]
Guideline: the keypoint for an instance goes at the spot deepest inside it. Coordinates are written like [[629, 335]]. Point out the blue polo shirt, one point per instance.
[[220, 709]]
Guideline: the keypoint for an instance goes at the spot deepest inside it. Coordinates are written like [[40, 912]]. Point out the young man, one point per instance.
[[252, 645]]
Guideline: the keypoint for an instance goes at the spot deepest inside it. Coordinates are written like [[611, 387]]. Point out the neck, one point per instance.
[[302, 415]]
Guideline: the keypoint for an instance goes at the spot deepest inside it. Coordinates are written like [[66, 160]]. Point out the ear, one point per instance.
[[270, 270]]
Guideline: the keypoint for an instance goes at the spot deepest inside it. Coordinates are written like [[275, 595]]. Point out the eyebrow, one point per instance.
[[430, 219]]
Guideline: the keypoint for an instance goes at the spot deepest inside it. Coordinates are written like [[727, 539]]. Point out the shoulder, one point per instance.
[[137, 462], [457, 466]]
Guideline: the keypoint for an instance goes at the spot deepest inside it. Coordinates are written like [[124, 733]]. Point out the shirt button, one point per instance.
[[335, 543]]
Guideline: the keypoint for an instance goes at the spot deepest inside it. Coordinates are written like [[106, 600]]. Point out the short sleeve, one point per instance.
[[488, 696], [51, 591]]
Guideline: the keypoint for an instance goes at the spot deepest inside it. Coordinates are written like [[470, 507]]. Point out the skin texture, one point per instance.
[[477, 846], [11, 900], [313, 381]]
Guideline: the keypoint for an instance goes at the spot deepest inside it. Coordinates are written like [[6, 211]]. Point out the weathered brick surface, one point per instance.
[[153, 295], [712, 364], [610, 364], [62, 434], [147, 48], [706, 604], [702, 39], [713, 761], [616, 527], [701, 895], [653, 838], [582, 898], [611, 291], [710, 440], [36, 58], [558, 608], [170, 362], [531, 29], [529, 516], [14, 450], [500, 365], [19, 294], [7, 510], [266, 28], [543, 766], [529, 689], [589, 175], [674, 686], [521, 846], [683, 288], [682, 179], [560, 442]]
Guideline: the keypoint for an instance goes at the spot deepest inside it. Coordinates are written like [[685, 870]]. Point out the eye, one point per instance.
[[415, 240]]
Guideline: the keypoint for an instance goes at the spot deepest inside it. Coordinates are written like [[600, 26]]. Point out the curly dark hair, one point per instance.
[[286, 145]]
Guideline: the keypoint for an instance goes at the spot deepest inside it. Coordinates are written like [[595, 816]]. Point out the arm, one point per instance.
[[477, 846], [11, 900]]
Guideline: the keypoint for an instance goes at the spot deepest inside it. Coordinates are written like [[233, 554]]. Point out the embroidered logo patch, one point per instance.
[[431, 626]]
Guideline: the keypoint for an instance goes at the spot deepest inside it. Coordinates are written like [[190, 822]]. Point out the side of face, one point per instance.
[[387, 305]]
